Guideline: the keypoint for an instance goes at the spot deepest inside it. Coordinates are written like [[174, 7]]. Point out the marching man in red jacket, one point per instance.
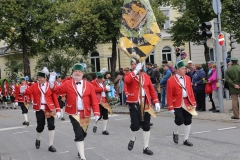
[[179, 92], [22, 100], [45, 103], [100, 90], [12, 93], [81, 97], [133, 97]]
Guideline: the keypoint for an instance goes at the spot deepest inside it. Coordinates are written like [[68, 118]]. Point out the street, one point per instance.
[[211, 140]]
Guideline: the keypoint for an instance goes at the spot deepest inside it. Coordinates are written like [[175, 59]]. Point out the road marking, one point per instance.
[[88, 148], [120, 119], [11, 128], [20, 132], [64, 152], [201, 132], [226, 128]]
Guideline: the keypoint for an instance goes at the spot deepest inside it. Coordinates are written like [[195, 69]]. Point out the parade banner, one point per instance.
[[139, 33]]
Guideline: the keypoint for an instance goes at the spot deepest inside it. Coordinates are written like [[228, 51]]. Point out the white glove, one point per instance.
[[96, 118], [16, 103], [58, 115], [157, 107], [138, 68], [171, 111], [52, 77], [22, 89], [107, 87]]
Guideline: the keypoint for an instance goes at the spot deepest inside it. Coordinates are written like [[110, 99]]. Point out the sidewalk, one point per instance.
[[207, 115]]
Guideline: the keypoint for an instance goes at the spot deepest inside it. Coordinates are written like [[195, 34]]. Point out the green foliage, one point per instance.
[[195, 12], [60, 61], [12, 65]]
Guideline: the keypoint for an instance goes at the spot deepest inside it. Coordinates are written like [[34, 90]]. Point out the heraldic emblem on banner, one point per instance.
[[139, 33]]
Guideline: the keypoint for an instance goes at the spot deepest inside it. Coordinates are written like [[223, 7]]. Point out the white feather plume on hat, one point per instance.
[[103, 70], [45, 70]]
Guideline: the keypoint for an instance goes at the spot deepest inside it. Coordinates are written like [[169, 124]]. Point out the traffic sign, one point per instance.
[[217, 6], [221, 40]]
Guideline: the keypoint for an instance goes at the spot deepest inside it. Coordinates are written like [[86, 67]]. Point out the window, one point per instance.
[[167, 22], [150, 58], [95, 61], [167, 54], [211, 54]]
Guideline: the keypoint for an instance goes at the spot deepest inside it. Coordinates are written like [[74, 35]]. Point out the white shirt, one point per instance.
[[43, 101], [143, 94], [103, 93], [181, 80], [79, 99]]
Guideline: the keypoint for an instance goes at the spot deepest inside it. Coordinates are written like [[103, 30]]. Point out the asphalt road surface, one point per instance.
[[211, 140]]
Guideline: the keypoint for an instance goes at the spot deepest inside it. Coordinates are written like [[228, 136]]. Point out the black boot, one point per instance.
[[187, 143], [37, 144], [94, 129], [130, 145], [175, 138], [105, 132], [147, 151], [52, 149]]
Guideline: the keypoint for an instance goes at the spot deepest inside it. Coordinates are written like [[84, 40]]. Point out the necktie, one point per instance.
[[78, 83], [42, 84], [181, 78]]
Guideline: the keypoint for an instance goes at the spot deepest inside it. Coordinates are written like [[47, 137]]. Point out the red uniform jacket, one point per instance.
[[174, 92], [99, 90], [5, 90], [12, 90], [50, 97], [19, 97], [88, 94], [132, 85]]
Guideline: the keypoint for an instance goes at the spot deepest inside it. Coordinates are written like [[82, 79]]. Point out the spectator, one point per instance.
[[156, 68], [170, 65], [213, 80], [190, 66], [118, 84], [125, 70], [210, 63], [107, 80], [152, 74], [199, 87], [163, 82], [233, 79], [89, 78]]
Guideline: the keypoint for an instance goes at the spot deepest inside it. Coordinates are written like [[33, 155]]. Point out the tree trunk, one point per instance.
[[114, 57], [25, 55]]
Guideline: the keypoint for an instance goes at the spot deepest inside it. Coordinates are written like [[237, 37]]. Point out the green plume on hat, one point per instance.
[[99, 75], [179, 64], [78, 66]]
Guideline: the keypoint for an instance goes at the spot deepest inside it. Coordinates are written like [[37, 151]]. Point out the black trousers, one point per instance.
[[12, 99], [41, 121], [135, 116], [61, 103], [201, 100], [79, 132], [4, 98], [182, 117], [24, 109], [103, 112], [213, 104]]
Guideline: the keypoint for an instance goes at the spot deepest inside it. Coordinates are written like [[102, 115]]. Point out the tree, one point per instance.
[[13, 66], [26, 26], [60, 61], [110, 13], [194, 12]]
